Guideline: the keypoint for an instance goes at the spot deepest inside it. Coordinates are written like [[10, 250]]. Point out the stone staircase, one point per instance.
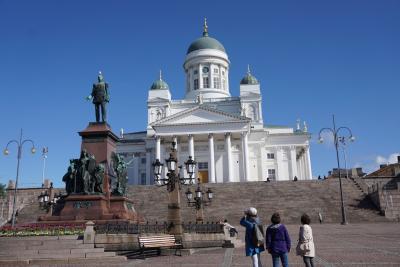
[[29, 213], [290, 198], [51, 250]]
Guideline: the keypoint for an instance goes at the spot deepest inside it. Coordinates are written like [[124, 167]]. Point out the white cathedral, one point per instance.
[[224, 134]]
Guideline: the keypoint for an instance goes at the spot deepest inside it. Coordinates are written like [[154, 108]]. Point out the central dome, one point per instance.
[[205, 42]]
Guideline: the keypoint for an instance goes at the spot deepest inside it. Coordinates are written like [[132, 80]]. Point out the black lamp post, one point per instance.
[[199, 201], [172, 177], [19, 144], [338, 139], [173, 181]]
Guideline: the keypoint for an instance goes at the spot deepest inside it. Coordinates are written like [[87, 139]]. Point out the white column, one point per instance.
[[175, 140], [263, 173], [191, 146], [279, 161], [200, 77], [158, 148], [211, 160], [245, 151], [301, 167], [220, 77], [293, 163], [191, 80], [211, 76], [308, 163], [228, 149], [148, 166]]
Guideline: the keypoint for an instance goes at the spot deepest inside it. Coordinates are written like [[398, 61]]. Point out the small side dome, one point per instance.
[[249, 79], [159, 84]]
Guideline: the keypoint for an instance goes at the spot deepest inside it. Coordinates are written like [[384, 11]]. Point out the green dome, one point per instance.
[[159, 84], [249, 79], [205, 42]]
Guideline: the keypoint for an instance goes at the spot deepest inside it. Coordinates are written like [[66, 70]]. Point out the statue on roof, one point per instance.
[[100, 97]]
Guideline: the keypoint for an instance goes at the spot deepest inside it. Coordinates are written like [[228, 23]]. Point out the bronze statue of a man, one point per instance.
[[100, 98]]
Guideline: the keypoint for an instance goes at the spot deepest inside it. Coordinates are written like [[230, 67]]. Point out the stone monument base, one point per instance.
[[97, 208]]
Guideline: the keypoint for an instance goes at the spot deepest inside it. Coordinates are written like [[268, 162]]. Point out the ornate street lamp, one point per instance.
[[337, 140], [172, 177], [199, 200], [173, 180], [6, 152]]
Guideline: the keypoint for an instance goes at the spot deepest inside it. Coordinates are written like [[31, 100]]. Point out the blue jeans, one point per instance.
[[283, 257]]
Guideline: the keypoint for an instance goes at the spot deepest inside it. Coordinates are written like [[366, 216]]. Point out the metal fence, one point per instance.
[[203, 228], [156, 228], [129, 228]]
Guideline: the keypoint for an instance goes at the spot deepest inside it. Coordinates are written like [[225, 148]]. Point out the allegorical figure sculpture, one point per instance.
[[100, 97], [118, 182], [84, 176]]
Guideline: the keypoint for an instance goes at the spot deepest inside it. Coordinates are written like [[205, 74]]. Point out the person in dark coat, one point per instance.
[[277, 241], [249, 221]]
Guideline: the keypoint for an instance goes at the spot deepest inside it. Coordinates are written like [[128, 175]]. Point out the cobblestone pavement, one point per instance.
[[352, 245]]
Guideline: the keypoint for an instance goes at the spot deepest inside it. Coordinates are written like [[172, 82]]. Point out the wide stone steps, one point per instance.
[[288, 197], [51, 250]]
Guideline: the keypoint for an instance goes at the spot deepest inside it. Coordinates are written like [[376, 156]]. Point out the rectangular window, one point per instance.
[[196, 84], [195, 72], [270, 155], [223, 84], [216, 71], [143, 160], [206, 84], [202, 165], [216, 83], [271, 174]]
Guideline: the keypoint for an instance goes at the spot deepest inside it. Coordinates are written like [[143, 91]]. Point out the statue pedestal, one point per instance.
[[99, 140], [97, 208]]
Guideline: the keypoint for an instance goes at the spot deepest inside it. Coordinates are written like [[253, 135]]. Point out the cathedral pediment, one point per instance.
[[200, 115]]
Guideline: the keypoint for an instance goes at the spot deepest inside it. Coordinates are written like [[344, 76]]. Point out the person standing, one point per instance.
[[250, 220], [307, 242], [277, 241]]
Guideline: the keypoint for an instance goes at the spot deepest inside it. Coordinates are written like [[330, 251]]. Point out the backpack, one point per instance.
[[258, 235]]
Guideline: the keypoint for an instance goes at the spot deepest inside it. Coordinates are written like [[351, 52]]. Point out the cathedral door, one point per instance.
[[203, 176]]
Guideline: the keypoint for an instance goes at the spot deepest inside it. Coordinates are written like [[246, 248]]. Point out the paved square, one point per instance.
[[352, 245]]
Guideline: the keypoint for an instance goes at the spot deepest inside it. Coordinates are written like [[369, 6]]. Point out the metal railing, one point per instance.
[[203, 228], [130, 228], [156, 228]]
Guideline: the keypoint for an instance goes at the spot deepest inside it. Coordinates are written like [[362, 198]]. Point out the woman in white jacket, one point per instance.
[[306, 238]]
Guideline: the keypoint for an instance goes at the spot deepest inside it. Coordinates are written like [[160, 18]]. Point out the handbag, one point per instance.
[[302, 248]]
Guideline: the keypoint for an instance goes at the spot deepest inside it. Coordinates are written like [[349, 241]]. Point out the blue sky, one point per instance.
[[313, 59]]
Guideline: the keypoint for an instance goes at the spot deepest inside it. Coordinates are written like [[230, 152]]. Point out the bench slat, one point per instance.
[[158, 241]]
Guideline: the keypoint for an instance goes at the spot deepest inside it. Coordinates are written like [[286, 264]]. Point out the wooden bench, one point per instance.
[[158, 242]]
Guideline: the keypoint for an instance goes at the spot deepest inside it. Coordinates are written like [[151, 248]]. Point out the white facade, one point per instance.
[[226, 135]]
